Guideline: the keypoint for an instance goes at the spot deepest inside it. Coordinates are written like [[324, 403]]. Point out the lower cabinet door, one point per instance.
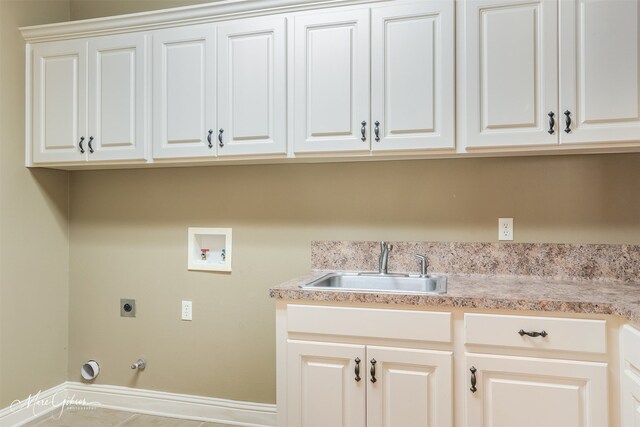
[[630, 393], [533, 392], [326, 384], [408, 387]]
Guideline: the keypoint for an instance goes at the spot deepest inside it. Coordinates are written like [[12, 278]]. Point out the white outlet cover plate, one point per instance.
[[187, 310], [505, 228]]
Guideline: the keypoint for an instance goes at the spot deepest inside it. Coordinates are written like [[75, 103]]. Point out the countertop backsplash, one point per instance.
[[549, 260]]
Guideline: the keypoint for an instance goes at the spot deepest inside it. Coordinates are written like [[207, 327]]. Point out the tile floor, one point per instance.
[[101, 417]]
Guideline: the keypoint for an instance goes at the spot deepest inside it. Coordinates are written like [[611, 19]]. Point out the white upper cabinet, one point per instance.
[[184, 92], [59, 115], [89, 100], [117, 97], [413, 76], [511, 72], [599, 69], [252, 89], [334, 79], [331, 82]]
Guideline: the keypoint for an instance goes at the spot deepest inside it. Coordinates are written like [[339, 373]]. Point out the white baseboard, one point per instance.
[[34, 406], [147, 402]]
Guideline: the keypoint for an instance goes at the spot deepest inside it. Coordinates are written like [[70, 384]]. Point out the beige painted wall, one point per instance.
[[129, 231], [34, 229], [86, 9]]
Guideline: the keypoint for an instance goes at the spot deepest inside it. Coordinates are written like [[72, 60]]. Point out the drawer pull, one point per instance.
[[542, 334], [357, 369], [373, 371], [363, 131], [80, 145], [473, 379], [552, 122]]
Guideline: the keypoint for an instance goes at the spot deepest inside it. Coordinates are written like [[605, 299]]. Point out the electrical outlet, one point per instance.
[[505, 228], [187, 310]]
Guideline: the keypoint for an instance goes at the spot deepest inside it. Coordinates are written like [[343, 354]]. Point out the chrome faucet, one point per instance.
[[424, 264], [385, 248]]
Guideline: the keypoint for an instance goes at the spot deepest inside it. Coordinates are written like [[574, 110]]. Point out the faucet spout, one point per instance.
[[385, 248]]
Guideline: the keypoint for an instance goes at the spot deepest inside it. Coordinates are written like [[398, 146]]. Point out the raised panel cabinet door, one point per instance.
[[511, 72], [630, 376], [600, 65], [322, 388], [413, 76], [59, 102], [184, 92], [252, 79], [412, 387], [533, 392], [331, 82], [117, 97]]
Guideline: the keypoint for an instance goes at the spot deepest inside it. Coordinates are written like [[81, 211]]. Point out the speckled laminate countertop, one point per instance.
[[493, 292]]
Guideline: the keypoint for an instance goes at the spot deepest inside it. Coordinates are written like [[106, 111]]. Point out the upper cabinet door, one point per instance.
[[252, 87], [59, 102], [184, 92], [599, 65], [413, 76], [117, 97], [331, 81], [511, 55]]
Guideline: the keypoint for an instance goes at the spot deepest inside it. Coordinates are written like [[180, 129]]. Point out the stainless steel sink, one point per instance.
[[431, 284]]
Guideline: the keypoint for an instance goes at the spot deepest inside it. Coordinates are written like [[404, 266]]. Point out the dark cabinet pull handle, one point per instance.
[[473, 379], [80, 145], [552, 123], [209, 138], [363, 131], [89, 144], [357, 369], [376, 130], [567, 121], [542, 334], [220, 132], [373, 370]]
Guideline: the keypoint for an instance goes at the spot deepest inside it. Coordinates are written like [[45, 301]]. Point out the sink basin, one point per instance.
[[431, 284]]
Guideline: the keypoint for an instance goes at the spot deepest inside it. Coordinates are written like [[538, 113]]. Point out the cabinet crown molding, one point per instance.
[[179, 16]]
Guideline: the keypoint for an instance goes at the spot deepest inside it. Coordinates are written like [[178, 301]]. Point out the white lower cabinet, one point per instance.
[[508, 391], [361, 366], [322, 386], [630, 379], [412, 387], [349, 385]]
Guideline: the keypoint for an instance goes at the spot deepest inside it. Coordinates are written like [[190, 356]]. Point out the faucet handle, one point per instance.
[[424, 264]]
